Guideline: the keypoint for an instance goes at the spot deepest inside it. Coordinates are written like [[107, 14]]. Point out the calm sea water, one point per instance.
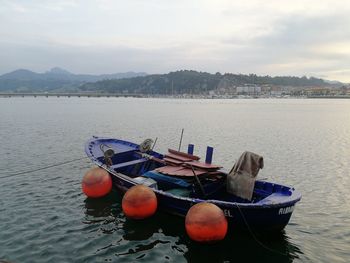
[[44, 217]]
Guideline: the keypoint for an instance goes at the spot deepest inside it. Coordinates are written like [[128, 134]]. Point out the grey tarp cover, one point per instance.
[[241, 179]]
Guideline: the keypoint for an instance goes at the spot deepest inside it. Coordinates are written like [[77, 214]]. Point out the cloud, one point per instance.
[[302, 45], [264, 37]]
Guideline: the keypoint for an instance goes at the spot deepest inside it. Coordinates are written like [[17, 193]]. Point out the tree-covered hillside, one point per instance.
[[178, 82], [193, 82]]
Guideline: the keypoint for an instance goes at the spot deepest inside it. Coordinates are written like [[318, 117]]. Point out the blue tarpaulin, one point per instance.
[[161, 178]]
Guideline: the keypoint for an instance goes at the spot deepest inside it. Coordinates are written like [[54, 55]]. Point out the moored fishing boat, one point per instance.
[[180, 180]]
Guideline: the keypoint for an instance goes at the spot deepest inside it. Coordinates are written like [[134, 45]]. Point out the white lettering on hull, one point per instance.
[[228, 213], [286, 210]]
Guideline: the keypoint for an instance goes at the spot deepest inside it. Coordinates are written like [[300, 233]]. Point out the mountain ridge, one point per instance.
[[194, 82], [176, 82], [55, 78]]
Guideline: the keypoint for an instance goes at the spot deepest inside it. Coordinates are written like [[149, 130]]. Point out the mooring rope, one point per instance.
[[255, 237], [42, 168], [85, 157]]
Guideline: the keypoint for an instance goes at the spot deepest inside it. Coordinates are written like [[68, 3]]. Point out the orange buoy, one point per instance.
[[96, 182], [139, 202], [206, 222]]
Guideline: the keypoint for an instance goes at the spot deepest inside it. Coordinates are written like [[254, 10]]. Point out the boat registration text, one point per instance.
[[286, 210]]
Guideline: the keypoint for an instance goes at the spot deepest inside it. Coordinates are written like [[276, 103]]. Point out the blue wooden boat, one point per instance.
[[130, 164]]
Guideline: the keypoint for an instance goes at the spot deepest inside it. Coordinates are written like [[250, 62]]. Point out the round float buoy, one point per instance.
[[96, 182], [139, 202], [205, 222]]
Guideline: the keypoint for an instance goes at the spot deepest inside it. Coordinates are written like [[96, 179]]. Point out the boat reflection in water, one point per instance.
[[165, 236]]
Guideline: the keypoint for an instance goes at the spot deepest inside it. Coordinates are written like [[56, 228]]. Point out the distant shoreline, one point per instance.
[[185, 96]]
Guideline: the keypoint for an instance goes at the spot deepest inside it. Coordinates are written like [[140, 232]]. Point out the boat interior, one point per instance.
[[182, 174]]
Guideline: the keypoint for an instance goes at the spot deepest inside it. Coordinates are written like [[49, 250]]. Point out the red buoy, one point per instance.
[[139, 202], [205, 222], [96, 182]]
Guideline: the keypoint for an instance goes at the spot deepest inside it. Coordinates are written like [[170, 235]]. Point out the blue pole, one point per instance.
[[209, 155], [190, 149]]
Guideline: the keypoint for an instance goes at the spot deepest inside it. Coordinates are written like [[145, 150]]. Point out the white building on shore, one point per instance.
[[248, 90]]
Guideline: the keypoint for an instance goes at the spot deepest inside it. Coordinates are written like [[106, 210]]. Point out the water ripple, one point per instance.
[[45, 217]]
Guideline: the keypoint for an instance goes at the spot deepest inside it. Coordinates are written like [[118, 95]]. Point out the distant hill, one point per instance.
[[56, 78], [178, 82], [193, 82]]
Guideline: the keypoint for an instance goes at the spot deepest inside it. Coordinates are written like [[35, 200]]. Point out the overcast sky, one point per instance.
[[274, 37]]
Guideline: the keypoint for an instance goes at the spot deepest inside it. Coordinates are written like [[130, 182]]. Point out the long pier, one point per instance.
[[88, 95], [136, 95]]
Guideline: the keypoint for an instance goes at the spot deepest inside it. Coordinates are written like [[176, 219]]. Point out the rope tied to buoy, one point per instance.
[[42, 168]]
